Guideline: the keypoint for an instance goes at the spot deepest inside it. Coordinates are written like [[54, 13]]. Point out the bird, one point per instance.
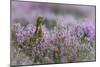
[[37, 36], [28, 44], [35, 39]]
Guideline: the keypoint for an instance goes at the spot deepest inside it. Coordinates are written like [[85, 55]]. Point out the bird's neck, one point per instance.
[[39, 29]]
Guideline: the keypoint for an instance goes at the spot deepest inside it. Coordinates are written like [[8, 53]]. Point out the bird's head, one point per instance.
[[39, 21]]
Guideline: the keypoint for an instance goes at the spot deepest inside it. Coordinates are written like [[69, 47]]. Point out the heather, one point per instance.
[[43, 35]]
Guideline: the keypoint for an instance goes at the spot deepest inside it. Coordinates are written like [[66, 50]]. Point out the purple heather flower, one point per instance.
[[48, 37], [47, 60], [30, 29], [89, 29], [34, 49], [19, 36], [79, 32], [23, 33]]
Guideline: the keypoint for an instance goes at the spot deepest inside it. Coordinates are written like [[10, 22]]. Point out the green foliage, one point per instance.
[[83, 52], [39, 59], [56, 57]]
